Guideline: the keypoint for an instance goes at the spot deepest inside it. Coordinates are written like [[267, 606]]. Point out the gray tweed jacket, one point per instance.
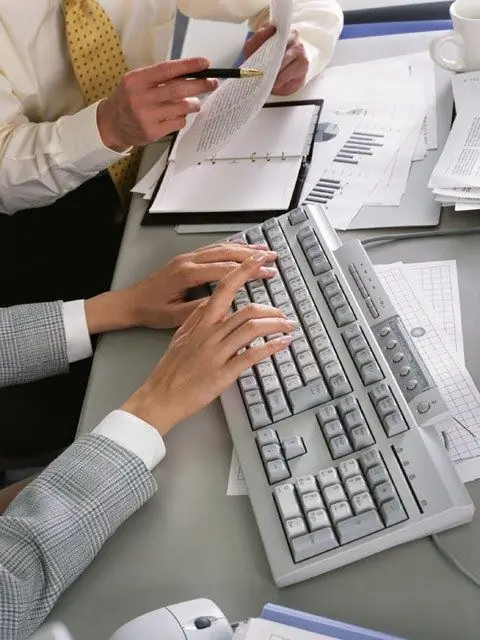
[[32, 343], [55, 527]]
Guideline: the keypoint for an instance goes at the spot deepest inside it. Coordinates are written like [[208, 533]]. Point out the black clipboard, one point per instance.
[[226, 217]]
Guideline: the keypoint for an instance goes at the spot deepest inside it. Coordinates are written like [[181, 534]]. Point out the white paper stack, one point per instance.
[[456, 178], [381, 117]]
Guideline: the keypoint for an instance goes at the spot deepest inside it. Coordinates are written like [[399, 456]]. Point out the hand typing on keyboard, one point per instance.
[[209, 352]]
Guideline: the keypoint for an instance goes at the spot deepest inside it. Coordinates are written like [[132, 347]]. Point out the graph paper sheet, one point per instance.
[[438, 283], [447, 369]]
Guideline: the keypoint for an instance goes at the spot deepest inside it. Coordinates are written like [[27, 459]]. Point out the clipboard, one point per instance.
[[244, 216]]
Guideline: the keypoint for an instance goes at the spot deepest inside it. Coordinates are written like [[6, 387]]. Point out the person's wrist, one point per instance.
[[111, 311], [106, 127], [145, 404]]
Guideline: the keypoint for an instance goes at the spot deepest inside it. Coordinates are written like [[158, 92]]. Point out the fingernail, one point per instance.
[[270, 271], [292, 324], [284, 340], [260, 256]]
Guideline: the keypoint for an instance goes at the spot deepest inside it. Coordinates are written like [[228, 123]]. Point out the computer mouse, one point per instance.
[[199, 619]]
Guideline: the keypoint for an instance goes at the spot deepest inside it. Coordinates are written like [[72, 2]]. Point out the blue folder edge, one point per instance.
[[390, 28], [318, 624]]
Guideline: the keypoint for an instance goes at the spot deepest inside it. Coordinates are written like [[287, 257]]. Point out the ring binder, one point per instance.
[[202, 193]]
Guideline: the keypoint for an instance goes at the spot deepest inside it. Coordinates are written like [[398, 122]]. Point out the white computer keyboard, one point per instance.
[[338, 436]]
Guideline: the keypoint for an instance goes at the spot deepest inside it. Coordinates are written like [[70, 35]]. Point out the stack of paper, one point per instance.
[[379, 117], [456, 178]]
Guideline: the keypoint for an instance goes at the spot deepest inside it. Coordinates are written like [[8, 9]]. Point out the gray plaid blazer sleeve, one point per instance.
[[55, 527], [32, 343]]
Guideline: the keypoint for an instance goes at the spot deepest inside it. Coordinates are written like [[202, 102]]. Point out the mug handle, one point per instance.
[[437, 56]]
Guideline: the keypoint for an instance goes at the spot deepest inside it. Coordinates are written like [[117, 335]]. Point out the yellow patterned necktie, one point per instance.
[[99, 65]]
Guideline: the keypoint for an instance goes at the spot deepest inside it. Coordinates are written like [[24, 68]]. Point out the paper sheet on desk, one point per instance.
[[466, 89], [445, 365], [259, 629], [231, 108], [146, 186], [438, 284]]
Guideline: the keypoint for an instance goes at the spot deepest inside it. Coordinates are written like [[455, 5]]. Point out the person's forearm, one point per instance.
[[54, 528], [41, 162]]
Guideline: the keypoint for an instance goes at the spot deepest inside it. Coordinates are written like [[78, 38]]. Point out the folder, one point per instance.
[[258, 175], [318, 624]]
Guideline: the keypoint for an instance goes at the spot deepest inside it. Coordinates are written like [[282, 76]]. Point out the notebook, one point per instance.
[[256, 176]]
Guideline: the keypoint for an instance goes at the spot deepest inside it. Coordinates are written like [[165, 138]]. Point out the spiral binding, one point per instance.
[[252, 157]]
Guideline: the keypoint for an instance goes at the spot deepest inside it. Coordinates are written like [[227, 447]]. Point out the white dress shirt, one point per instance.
[[49, 143]]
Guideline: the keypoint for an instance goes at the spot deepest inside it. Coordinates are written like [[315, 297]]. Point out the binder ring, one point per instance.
[[284, 155], [214, 158], [253, 157], [268, 156]]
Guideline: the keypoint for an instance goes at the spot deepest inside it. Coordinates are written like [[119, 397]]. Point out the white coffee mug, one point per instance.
[[465, 37]]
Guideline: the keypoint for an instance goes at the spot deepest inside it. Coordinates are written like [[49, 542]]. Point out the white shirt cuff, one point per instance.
[[77, 335], [135, 435], [82, 144]]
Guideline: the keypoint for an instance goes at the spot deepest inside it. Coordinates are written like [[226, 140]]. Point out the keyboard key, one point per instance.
[[287, 503], [337, 301], [394, 424], [365, 356], [305, 358], [386, 406], [298, 346], [277, 471], [346, 405], [310, 372], [348, 469], [377, 475], [297, 216], [362, 502], [320, 265], [278, 405], [333, 429], [339, 386], [315, 252], [371, 373], [325, 279], [304, 232], [352, 332], [379, 392], [359, 526], [258, 416], [343, 315], [384, 492], [255, 236], [327, 414], [275, 287], [313, 544], [306, 484], [326, 356], [271, 452], [291, 383], [321, 343], [270, 224], [306, 306], [339, 447], [282, 357], [327, 477], [249, 383], [261, 297], [361, 438], [318, 519], [393, 512], [296, 283], [340, 511], [310, 396], [334, 493], [353, 419], [357, 344], [295, 528], [267, 436], [355, 485], [288, 369], [265, 369], [253, 397], [312, 501], [370, 459], [270, 383], [315, 330], [293, 447], [333, 289]]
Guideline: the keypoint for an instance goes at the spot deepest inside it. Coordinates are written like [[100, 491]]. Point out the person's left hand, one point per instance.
[[158, 301], [294, 68]]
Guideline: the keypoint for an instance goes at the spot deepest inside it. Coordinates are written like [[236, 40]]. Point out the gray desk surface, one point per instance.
[[192, 540]]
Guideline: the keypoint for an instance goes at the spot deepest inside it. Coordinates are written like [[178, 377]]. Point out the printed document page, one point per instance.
[[230, 109]]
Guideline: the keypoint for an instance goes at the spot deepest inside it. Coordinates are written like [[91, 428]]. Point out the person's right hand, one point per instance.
[[203, 359], [152, 102]]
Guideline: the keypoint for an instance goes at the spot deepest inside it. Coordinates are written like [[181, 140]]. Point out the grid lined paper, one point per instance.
[[451, 376]]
